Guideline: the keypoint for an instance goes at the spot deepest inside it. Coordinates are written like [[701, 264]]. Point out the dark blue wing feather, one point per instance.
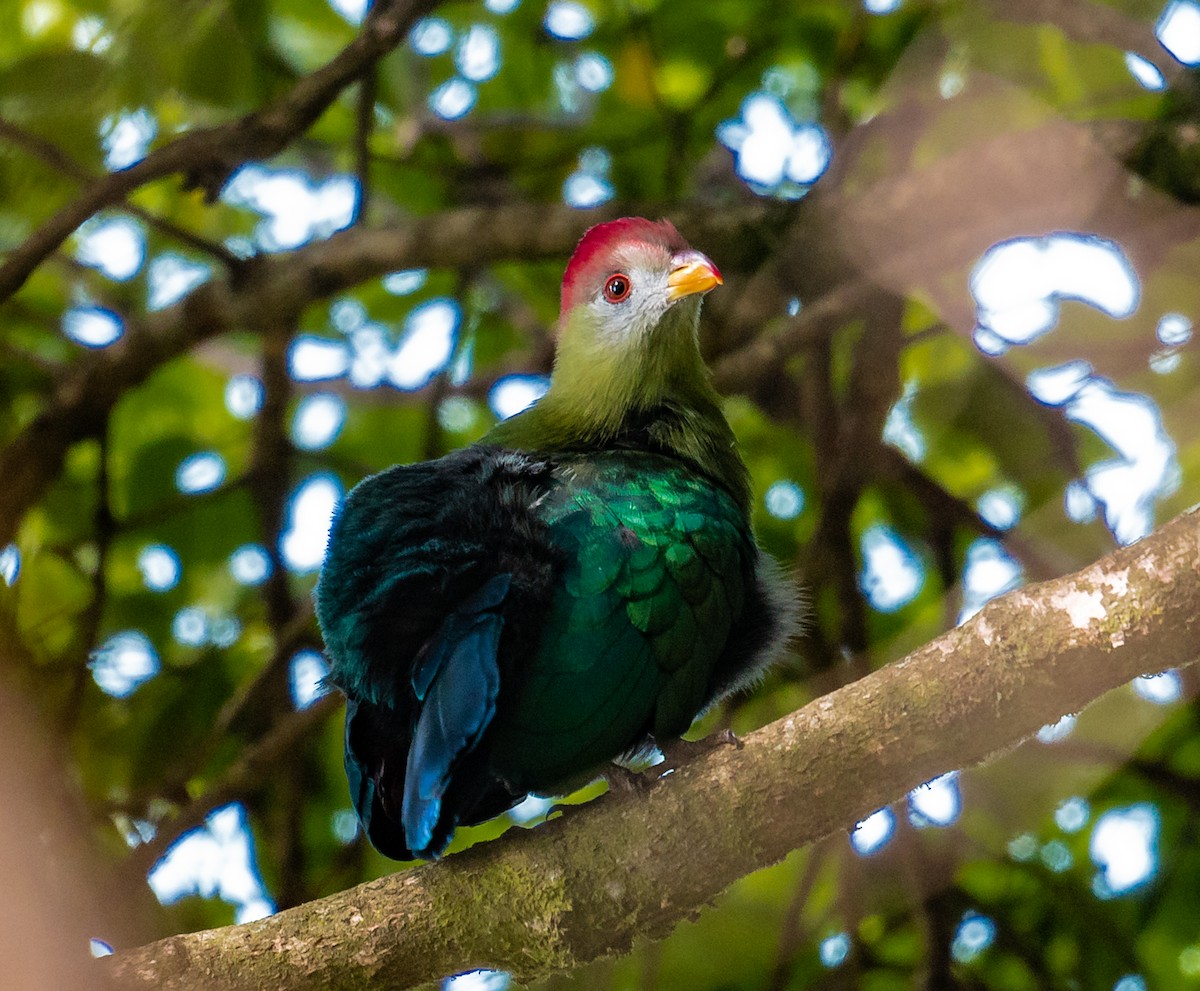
[[457, 681], [424, 563]]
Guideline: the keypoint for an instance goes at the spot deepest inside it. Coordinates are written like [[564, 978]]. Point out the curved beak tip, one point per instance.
[[692, 273]]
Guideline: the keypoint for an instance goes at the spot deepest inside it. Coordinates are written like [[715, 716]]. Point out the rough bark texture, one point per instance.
[[633, 865]]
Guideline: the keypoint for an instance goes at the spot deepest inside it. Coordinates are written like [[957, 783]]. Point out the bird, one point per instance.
[[571, 590]]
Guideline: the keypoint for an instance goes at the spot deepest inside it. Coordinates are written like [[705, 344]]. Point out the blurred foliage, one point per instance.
[[887, 86]]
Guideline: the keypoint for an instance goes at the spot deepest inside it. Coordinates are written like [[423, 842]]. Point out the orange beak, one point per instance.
[[691, 273]]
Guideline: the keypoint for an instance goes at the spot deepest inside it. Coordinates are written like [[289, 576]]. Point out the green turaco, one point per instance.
[[579, 584]]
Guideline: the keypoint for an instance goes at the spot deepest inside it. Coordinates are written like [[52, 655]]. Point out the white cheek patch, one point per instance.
[[638, 313]]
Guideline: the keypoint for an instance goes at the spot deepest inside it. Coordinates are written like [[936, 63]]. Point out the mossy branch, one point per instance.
[[631, 866]]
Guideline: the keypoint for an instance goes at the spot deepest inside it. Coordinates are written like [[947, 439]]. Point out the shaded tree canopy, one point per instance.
[[250, 253]]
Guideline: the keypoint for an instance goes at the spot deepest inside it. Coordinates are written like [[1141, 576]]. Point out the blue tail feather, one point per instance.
[[457, 680]]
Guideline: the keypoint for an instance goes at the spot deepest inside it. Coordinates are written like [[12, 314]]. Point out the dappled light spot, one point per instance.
[[190, 626], [834, 950], [951, 82], [215, 860], [989, 571], [309, 514], [1179, 30], [892, 573], [1145, 72], [1165, 361], [935, 803], [40, 16], [1079, 502], [583, 190], [1174, 329], [478, 980], [407, 281], [223, 631], [593, 72], [1057, 857], [453, 99], [250, 564], [352, 10], [10, 564], [126, 138], [874, 832], [314, 359], [1058, 384], [370, 352], [975, 934], [1072, 814], [784, 500], [456, 414], [1133, 982], [501, 6], [318, 421], [514, 393], [115, 247], [1146, 466], [588, 185], [1124, 846], [295, 208], [774, 154], [571, 96], [478, 55], [568, 20], [1001, 507], [530, 810], [430, 333], [1162, 688], [125, 661], [344, 826], [92, 326], [1053, 732], [88, 35], [100, 948], [881, 6], [199, 473], [347, 315], [244, 395], [134, 832], [1023, 848], [171, 277], [306, 672], [159, 565], [459, 370], [1019, 284], [899, 430], [1189, 961], [1131, 423], [431, 36]]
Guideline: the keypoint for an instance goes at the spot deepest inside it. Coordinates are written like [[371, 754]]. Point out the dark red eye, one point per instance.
[[617, 287]]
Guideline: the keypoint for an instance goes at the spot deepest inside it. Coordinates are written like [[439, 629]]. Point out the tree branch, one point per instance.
[[286, 283], [631, 866], [207, 155]]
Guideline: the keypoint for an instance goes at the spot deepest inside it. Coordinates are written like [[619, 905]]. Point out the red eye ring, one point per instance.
[[617, 287]]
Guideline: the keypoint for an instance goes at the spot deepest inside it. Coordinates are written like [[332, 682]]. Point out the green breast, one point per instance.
[[657, 560]]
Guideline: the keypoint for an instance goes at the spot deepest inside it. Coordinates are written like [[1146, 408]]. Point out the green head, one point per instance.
[[628, 354]]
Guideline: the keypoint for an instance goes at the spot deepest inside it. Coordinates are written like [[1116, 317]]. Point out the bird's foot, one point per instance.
[[622, 779], [680, 752]]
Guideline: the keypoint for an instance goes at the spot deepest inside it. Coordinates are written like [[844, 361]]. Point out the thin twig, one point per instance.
[[207, 156]]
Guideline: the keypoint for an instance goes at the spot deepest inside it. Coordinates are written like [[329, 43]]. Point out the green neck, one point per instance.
[[654, 393]]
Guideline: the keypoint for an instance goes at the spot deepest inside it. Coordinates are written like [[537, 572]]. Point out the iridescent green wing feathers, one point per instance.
[[657, 563]]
